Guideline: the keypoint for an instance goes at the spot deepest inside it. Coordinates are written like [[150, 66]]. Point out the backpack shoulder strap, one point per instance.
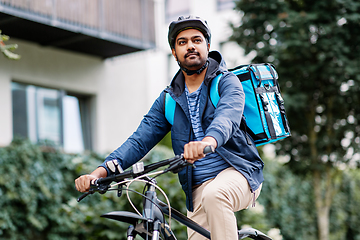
[[170, 105], [214, 90], [215, 97]]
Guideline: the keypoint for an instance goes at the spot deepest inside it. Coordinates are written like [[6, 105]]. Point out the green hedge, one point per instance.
[[288, 201], [38, 197]]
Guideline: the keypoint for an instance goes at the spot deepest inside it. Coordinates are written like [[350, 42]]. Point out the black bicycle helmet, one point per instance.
[[190, 22]]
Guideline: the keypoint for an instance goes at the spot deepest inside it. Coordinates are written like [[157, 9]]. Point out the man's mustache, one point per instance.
[[191, 53]]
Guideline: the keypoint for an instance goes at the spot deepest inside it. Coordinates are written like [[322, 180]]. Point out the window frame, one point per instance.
[[26, 119]]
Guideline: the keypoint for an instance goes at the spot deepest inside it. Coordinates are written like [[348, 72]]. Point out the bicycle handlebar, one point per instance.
[[176, 163]]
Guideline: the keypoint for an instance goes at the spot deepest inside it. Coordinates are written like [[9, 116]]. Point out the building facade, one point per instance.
[[84, 81]]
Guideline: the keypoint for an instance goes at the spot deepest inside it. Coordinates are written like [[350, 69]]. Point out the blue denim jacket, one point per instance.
[[221, 123]]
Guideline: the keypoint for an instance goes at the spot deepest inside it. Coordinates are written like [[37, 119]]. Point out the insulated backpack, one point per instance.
[[264, 112]]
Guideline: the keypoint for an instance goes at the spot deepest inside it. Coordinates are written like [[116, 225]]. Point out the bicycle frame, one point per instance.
[[152, 212], [152, 223]]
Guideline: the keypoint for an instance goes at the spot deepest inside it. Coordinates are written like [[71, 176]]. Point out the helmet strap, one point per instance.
[[192, 72]]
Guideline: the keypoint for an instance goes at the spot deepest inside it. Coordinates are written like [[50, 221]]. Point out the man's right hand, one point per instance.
[[82, 183]]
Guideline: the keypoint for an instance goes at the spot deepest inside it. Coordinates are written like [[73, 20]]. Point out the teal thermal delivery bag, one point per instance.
[[264, 112]]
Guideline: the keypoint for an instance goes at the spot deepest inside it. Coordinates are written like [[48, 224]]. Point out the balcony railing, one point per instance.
[[126, 22]]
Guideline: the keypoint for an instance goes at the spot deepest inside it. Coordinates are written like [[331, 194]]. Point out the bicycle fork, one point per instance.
[[152, 213], [155, 216], [156, 232]]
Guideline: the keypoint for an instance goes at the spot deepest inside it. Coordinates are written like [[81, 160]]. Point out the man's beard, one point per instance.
[[192, 65]]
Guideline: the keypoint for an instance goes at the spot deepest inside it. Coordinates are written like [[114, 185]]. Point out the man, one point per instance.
[[222, 182]]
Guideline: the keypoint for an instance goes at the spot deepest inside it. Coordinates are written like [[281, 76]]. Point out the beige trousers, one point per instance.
[[215, 202]]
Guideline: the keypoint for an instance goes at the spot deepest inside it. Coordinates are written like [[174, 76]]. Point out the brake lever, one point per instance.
[[176, 166]]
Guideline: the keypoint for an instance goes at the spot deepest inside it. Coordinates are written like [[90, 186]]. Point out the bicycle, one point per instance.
[[151, 223]]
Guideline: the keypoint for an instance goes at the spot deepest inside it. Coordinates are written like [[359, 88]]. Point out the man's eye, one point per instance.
[[181, 42], [197, 40]]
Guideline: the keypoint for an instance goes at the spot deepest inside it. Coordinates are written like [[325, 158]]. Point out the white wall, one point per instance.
[[5, 108], [130, 85]]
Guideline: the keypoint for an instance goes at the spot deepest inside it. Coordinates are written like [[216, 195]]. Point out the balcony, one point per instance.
[[101, 28]]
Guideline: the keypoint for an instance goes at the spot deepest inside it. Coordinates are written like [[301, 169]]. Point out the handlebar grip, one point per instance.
[[83, 196], [209, 149], [94, 187]]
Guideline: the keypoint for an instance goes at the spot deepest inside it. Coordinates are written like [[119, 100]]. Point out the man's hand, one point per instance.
[[195, 150], [82, 183]]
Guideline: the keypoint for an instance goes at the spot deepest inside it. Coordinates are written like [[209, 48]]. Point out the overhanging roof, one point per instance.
[[48, 32]]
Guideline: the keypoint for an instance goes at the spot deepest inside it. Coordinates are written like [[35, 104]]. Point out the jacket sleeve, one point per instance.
[[151, 130], [229, 110]]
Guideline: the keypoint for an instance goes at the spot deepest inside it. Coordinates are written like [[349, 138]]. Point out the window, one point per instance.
[[44, 114]]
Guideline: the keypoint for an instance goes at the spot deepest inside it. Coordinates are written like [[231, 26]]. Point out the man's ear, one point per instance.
[[174, 53], [208, 47]]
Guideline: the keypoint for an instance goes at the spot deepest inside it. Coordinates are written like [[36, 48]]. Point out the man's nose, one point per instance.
[[190, 45]]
